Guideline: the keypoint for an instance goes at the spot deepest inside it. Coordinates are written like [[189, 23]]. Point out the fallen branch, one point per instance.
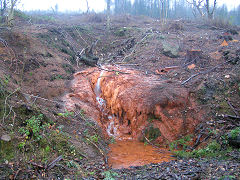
[[124, 64], [38, 97], [120, 72], [234, 110], [96, 147], [53, 163], [5, 105], [37, 165], [15, 176], [149, 142], [230, 116], [204, 72]]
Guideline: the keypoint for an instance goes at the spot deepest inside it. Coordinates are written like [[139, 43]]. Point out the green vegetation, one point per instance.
[[7, 151], [22, 15], [235, 133], [3, 85], [40, 140], [43, 18], [94, 138], [66, 114], [227, 177], [151, 133], [68, 68], [121, 32], [33, 127], [109, 175], [57, 77], [181, 143], [213, 149]]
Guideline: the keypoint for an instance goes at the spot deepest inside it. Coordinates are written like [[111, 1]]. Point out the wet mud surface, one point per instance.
[[124, 154]]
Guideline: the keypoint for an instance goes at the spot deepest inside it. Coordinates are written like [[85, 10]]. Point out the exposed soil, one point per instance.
[[135, 102], [38, 62]]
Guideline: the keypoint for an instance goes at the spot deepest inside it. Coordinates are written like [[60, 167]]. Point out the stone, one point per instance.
[[170, 50], [234, 141], [6, 138]]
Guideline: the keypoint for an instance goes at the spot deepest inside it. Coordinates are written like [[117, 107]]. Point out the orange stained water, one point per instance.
[[124, 154]]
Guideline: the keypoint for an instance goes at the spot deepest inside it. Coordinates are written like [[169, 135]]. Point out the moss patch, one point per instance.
[[7, 151]]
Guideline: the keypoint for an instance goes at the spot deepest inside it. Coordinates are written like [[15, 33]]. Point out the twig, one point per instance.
[[81, 37], [159, 150], [77, 59], [5, 104], [53, 163], [15, 176], [234, 110], [230, 116], [135, 48], [96, 147], [38, 97], [113, 70], [123, 64], [204, 72], [37, 165], [62, 166]]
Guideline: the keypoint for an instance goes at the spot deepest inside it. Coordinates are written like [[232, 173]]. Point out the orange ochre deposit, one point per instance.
[[131, 106], [126, 103]]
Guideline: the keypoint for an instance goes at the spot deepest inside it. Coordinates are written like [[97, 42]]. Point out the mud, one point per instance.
[[124, 154]]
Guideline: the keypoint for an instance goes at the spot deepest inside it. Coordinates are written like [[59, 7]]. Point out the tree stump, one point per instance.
[[88, 57], [193, 56]]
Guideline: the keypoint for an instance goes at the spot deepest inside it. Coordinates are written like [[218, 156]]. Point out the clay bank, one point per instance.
[[130, 105]]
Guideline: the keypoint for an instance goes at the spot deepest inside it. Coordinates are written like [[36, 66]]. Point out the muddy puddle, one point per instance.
[[124, 154]]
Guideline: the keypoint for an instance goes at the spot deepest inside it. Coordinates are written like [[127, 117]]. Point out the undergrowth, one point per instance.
[[213, 149]]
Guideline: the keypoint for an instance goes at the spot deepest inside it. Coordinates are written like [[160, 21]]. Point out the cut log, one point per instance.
[[88, 57]]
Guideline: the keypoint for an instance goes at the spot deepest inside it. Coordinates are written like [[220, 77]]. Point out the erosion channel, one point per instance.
[[133, 107]]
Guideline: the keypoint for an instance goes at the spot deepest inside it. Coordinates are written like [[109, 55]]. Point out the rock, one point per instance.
[[170, 50], [6, 138], [234, 141], [133, 102]]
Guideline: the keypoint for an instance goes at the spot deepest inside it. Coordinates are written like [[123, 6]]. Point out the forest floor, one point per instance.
[[39, 139]]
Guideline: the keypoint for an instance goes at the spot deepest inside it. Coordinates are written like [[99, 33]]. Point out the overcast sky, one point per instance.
[[97, 5]]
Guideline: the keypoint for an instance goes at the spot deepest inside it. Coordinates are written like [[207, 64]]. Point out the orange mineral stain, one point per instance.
[[124, 154]]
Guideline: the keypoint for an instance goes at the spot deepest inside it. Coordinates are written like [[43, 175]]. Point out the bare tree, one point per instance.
[[199, 4], [10, 17], [210, 12], [108, 13], [163, 7], [197, 7]]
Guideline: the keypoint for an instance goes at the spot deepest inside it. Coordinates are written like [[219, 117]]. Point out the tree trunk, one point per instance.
[[209, 12], [108, 14], [10, 17], [87, 6]]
